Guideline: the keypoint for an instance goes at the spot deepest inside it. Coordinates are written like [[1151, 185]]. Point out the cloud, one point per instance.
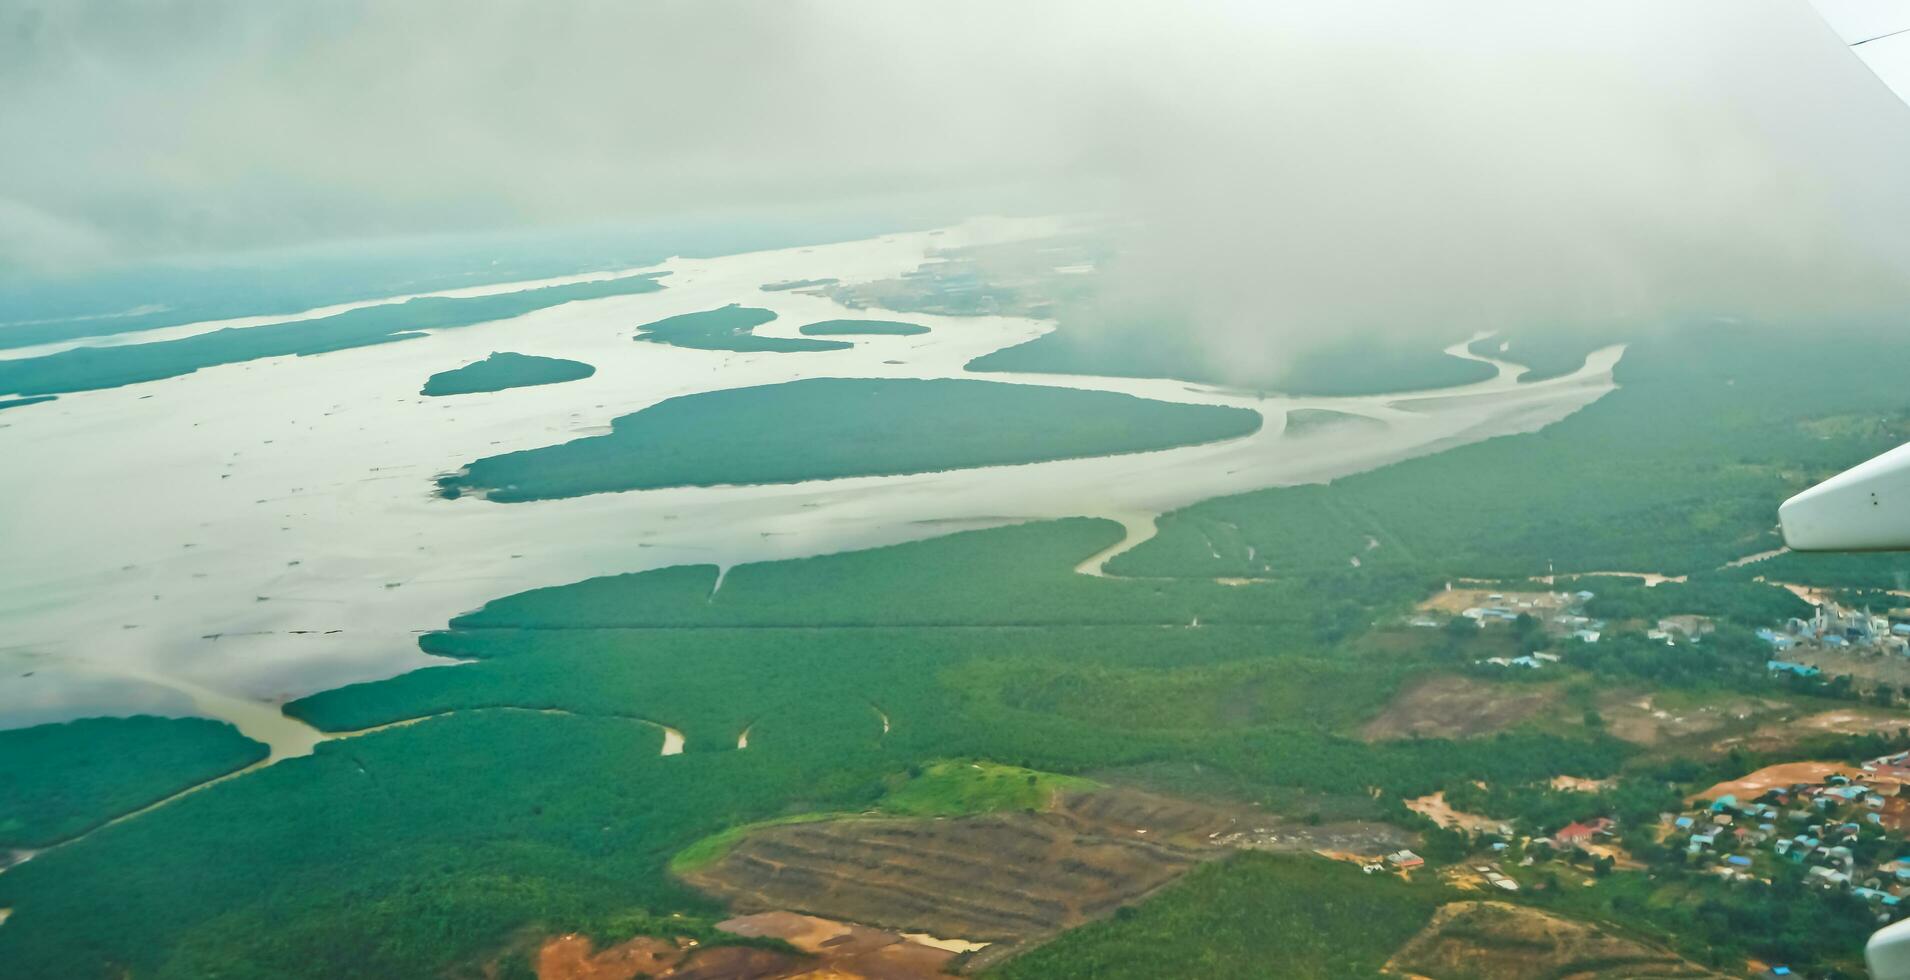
[[1296, 169]]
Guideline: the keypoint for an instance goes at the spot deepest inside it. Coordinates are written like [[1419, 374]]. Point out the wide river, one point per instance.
[[220, 542]]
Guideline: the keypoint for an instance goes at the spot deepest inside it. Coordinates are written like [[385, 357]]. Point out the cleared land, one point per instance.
[[1000, 878], [1450, 706], [1781, 776], [828, 428], [504, 369], [823, 949], [1498, 941]]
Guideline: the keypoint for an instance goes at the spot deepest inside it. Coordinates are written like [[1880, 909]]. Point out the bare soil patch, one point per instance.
[[1782, 775], [1641, 720], [834, 951], [1436, 809], [1449, 706], [1838, 721], [573, 958], [1457, 600], [1498, 941], [999, 878]]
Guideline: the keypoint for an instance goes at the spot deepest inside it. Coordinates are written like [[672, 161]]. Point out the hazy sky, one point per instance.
[[1492, 159]]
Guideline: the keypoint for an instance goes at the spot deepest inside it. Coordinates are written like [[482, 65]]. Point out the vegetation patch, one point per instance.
[[6, 403], [1157, 347], [732, 328], [1256, 915], [504, 369], [848, 328], [1501, 941], [959, 787], [1449, 706], [59, 781], [1677, 471], [829, 428], [89, 368]]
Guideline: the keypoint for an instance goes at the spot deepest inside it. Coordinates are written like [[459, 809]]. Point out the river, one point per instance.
[[220, 542]]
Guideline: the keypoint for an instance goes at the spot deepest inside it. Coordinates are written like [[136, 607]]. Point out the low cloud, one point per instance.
[[1296, 171]]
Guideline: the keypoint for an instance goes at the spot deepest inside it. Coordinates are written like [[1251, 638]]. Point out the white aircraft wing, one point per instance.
[[1866, 508]]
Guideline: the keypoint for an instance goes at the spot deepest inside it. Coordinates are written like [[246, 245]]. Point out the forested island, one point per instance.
[[504, 369], [828, 428]]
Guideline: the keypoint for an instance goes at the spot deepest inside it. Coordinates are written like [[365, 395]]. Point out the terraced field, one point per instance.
[[1001, 878]]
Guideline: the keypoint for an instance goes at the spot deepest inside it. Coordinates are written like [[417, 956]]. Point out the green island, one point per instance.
[[730, 328], [6, 403], [1308, 421], [504, 369], [1132, 348], [1058, 278], [1237, 685], [59, 781], [828, 428], [786, 285], [92, 368], [851, 328]]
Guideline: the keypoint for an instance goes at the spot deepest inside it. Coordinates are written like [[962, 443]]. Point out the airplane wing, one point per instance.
[[1866, 508], [1878, 32]]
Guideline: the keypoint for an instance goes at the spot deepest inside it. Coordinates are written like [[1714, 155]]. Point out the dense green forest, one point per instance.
[[89, 368], [1712, 594], [532, 798], [1254, 916], [58, 781], [1679, 470], [731, 327], [411, 850], [1122, 346], [848, 328], [504, 369], [825, 428]]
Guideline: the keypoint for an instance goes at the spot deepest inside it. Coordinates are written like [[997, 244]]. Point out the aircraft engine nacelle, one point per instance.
[[1865, 508]]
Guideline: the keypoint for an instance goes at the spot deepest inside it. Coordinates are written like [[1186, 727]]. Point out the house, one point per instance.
[[1786, 666], [1739, 860], [1827, 877], [1573, 834], [1405, 860], [1777, 640], [1586, 635], [1691, 626], [1728, 801], [1682, 823]]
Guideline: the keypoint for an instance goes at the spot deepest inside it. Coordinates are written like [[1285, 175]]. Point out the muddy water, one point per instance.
[[219, 542]]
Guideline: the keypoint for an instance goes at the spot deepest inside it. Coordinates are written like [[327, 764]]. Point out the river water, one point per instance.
[[220, 542]]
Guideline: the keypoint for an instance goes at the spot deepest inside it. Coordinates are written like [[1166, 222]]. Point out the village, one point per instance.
[[1843, 825]]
